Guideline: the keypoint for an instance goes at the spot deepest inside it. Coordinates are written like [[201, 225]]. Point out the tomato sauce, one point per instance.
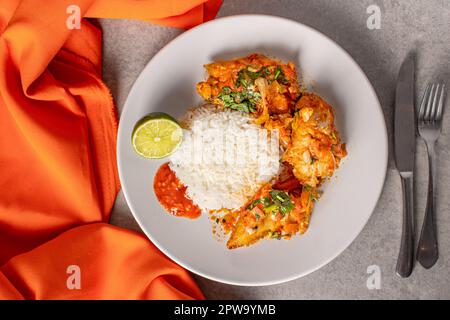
[[171, 193]]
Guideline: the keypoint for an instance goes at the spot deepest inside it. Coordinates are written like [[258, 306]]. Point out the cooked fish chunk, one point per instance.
[[264, 220], [315, 149], [244, 235], [254, 84]]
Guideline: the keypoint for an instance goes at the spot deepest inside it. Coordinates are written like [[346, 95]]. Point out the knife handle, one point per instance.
[[406, 256]]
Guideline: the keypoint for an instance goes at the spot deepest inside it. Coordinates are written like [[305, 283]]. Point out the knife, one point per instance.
[[405, 148]]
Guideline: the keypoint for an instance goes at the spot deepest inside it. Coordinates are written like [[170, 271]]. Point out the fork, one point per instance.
[[430, 125]]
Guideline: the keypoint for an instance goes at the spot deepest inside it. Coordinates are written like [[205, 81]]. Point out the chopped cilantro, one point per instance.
[[280, 76], [266, 71], [282, 201], [277, 202], [246, 78], [244, 101], [226, 90]]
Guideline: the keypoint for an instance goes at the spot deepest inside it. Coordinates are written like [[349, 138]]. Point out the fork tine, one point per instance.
[[424, 102], [429, 103], [440, 108], [435, 105]]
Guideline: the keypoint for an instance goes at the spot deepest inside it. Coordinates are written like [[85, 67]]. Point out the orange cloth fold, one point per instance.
[[58, 170], [112, 263]]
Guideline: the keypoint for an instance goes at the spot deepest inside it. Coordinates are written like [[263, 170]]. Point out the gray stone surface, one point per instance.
[[422, 25]]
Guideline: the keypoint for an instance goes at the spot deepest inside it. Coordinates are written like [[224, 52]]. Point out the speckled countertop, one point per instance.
[[423, 25]]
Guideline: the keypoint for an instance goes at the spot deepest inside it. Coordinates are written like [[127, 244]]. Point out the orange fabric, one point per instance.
[[113, 264], [57, 154]]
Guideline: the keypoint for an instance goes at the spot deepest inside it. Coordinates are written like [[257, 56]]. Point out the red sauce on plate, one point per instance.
[[171, 193]]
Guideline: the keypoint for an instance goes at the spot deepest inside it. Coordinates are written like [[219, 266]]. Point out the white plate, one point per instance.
[[168, 84]]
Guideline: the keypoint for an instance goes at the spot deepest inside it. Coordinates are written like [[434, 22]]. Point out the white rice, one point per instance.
[[224, 158]]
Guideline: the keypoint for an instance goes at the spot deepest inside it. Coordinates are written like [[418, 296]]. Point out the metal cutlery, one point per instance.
[[430, 124], [405, 145]]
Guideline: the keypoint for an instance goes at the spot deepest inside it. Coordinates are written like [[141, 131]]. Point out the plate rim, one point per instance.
[[206, 275]]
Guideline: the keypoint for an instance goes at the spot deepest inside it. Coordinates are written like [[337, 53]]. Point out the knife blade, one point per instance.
[[404, 149], [405, 119]]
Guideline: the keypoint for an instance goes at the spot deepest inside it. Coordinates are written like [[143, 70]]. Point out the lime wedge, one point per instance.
[[156, 135]]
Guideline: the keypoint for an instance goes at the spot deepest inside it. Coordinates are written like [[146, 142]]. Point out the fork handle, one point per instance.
[[427, 251], [406, 255]]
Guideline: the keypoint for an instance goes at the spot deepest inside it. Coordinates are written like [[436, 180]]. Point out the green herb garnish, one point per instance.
[[277, 73], [282, 200], [266, 71], [280, 76], [277, 202], [226, 90], [246, 78], [286, 208], [279, 195], [253, 204], [266, 202], [244, 101]]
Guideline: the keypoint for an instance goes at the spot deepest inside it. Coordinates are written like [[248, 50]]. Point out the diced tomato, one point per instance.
[[288, 184]]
